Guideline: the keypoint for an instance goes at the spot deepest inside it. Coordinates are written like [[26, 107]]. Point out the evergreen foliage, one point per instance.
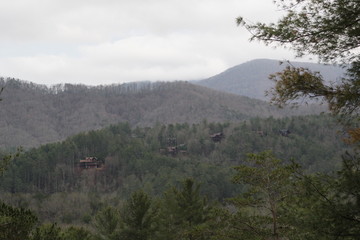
[[47, 232], [107, 222], [327, 206], [77, 233], [260, 211], [139, 217], [185, 211], [15, 223]]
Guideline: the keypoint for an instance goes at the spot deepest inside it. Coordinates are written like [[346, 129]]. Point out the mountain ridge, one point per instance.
[[251, 78], [35, 114]]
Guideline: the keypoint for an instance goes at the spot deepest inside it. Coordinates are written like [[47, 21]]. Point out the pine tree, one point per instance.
[[139, 217], [259, 210], [107, 222], [15, 223], [186, 211]]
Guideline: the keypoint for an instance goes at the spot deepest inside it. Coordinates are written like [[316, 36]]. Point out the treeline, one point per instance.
[[124, 88]]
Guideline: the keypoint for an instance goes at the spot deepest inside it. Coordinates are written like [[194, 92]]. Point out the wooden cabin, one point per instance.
[[217, 137], [90, 163]]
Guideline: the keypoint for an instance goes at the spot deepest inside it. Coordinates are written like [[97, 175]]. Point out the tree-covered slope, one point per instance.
[[146, 156], [34, 114], [48, 179]]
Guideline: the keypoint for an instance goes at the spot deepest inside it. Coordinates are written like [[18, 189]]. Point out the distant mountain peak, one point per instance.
[[251, 78]]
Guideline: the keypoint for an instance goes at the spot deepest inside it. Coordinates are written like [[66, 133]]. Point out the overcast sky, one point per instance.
[[114, 41]]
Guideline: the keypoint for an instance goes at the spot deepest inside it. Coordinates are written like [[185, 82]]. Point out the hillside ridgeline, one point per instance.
[[33, 114]]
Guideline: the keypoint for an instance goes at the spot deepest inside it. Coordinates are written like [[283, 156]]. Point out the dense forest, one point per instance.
[[254, 177], [159, 162], [144, 154]]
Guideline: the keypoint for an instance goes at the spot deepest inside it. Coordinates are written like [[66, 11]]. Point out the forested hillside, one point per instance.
[[34, 114], [48, 179], [183, 162]]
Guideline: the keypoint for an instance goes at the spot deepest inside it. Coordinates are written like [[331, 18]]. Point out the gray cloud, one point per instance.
[[102, 42]]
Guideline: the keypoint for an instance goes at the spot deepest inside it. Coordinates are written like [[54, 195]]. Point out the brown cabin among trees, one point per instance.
[[174, 150], [91, 163], [217, 137]]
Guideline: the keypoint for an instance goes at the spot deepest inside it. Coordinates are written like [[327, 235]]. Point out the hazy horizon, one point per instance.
[[106, 42]]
